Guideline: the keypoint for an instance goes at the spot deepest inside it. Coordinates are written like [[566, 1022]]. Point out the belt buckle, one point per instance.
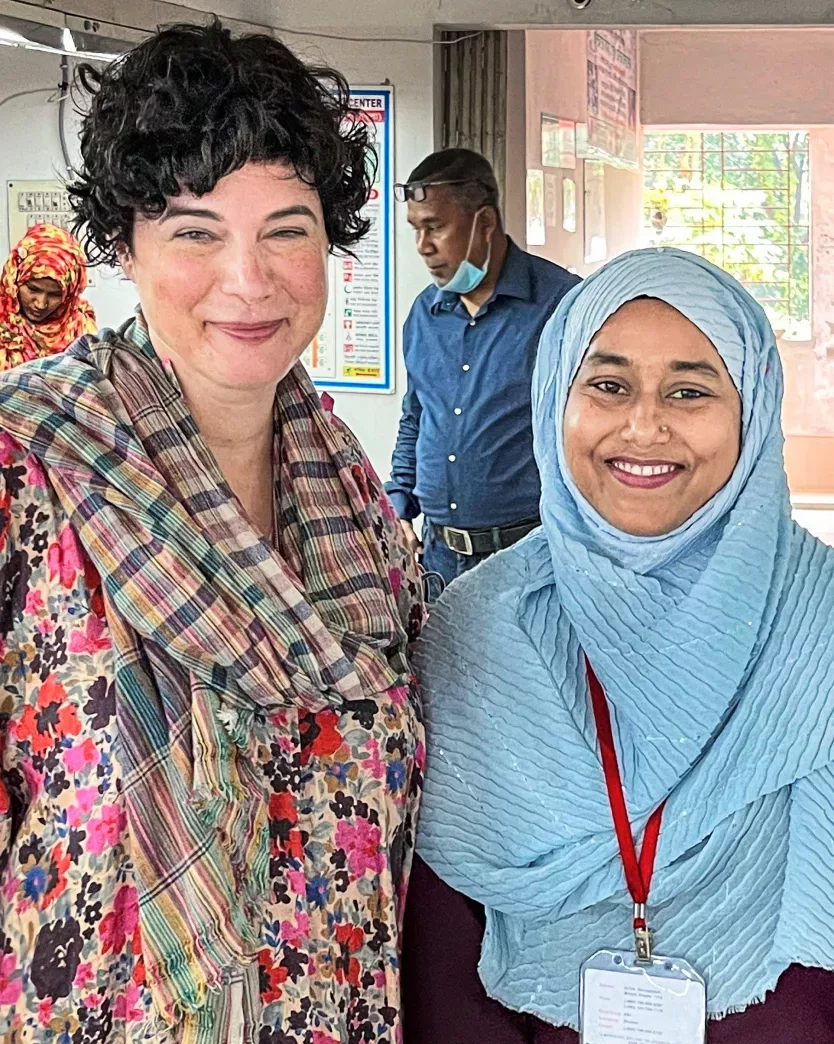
[[451, 536]]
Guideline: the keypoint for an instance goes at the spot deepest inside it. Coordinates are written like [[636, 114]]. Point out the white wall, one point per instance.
[[748, 78]]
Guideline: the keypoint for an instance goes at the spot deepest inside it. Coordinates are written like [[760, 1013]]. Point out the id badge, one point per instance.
[[661, 1001]]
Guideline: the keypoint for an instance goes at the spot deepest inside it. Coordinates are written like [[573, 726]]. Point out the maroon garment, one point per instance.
[[445, 1003]]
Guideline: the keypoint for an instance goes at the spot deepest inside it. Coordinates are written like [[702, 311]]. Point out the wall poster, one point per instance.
[[569, 205], [612, 96], [551, 199], [354, 349], [536, 231], [558, 142], [596, 245]]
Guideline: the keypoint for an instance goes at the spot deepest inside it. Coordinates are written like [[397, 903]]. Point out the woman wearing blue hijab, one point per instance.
[[668, 594]]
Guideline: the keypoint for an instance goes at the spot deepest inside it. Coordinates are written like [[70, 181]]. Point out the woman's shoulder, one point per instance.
[[500, 582], [477, 618]]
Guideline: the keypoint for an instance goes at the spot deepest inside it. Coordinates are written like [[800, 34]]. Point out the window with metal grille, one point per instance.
[[740, 199]]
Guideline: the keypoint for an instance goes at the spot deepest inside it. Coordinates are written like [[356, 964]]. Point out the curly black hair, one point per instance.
[[192, 104]]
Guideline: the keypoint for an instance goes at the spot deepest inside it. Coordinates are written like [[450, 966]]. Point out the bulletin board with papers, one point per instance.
[[354, 349]]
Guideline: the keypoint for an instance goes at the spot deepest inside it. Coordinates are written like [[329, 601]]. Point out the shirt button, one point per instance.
[[454, 507], [471, 322], [466, 367], [452, 457], [458, 411]]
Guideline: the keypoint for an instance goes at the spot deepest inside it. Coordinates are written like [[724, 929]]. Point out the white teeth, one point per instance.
[[646, 471]]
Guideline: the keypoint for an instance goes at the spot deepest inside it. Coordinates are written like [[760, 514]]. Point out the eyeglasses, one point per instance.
[[418, 190]]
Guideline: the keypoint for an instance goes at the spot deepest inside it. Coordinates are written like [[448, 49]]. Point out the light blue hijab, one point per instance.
[[715, 645]]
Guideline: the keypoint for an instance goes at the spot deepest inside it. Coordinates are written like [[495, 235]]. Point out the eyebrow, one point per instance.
[[607, 359], [696, 367], [177, 211], [679, 366]]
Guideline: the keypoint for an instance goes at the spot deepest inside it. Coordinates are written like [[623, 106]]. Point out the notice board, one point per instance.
[[354, 350], [39, 203]]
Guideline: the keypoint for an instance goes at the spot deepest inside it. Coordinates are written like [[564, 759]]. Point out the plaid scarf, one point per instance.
[[212, 630]]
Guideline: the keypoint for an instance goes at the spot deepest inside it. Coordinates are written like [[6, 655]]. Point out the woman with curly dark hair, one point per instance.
[[211, 744]]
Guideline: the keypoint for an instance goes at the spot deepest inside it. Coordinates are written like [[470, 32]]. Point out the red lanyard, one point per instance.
[[638, 872]]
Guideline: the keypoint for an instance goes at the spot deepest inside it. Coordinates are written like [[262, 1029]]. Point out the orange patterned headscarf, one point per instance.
[[45, 252]]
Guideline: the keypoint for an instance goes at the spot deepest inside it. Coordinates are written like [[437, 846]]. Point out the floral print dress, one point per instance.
[[71, 969]]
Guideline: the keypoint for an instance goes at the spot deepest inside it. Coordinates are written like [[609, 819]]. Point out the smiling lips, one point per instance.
[[250, 333], [643, 474]]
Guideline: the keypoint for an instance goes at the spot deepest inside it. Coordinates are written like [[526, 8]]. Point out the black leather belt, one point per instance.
[[482, 541]]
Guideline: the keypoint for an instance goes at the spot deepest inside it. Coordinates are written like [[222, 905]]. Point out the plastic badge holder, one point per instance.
[[623, 1001]]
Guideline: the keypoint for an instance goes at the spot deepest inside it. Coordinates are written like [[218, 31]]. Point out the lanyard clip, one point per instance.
[[642, 935]]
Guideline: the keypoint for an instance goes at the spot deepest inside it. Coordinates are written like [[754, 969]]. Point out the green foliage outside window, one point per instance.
[[740, 199]]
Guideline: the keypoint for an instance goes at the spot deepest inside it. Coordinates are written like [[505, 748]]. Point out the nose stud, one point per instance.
[[664, 429]]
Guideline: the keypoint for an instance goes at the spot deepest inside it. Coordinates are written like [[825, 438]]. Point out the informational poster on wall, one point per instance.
[[596, 245], [612, 96], [558, 142], [536, 231], [569, 205], [39, 203], [354, 349], [551, 200]]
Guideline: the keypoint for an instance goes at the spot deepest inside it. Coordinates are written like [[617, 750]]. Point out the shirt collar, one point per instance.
[[514, 281]]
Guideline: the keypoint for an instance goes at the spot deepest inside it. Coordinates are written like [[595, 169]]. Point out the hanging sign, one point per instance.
[[354, 349], [612, 96]]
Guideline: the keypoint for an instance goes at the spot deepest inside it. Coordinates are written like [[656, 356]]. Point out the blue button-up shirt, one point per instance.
[[464, 453]]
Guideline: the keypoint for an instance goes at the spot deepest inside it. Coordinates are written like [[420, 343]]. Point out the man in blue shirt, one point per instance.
[[464, 452]]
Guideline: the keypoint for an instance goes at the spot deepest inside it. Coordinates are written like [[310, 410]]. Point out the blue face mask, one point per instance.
[[468, 277]]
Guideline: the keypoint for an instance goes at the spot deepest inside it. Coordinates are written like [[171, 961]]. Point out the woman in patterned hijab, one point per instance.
[[41, 308]]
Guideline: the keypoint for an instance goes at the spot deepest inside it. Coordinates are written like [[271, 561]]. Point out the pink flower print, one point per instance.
[[34, 602], [32, 778], [83, 976], [9, 449], [280, 719], [395, 578], [374, 762], [399, 695], [64, 558], [106, 830], [79, 813], [295, 934], [298, 882], [45, 1012], [46, 627], [323, 1038], [119, 925], [11, 980], [387, 509], [361, 844], [93, 640], [80, 756], [127, 1005], [35, 475]]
